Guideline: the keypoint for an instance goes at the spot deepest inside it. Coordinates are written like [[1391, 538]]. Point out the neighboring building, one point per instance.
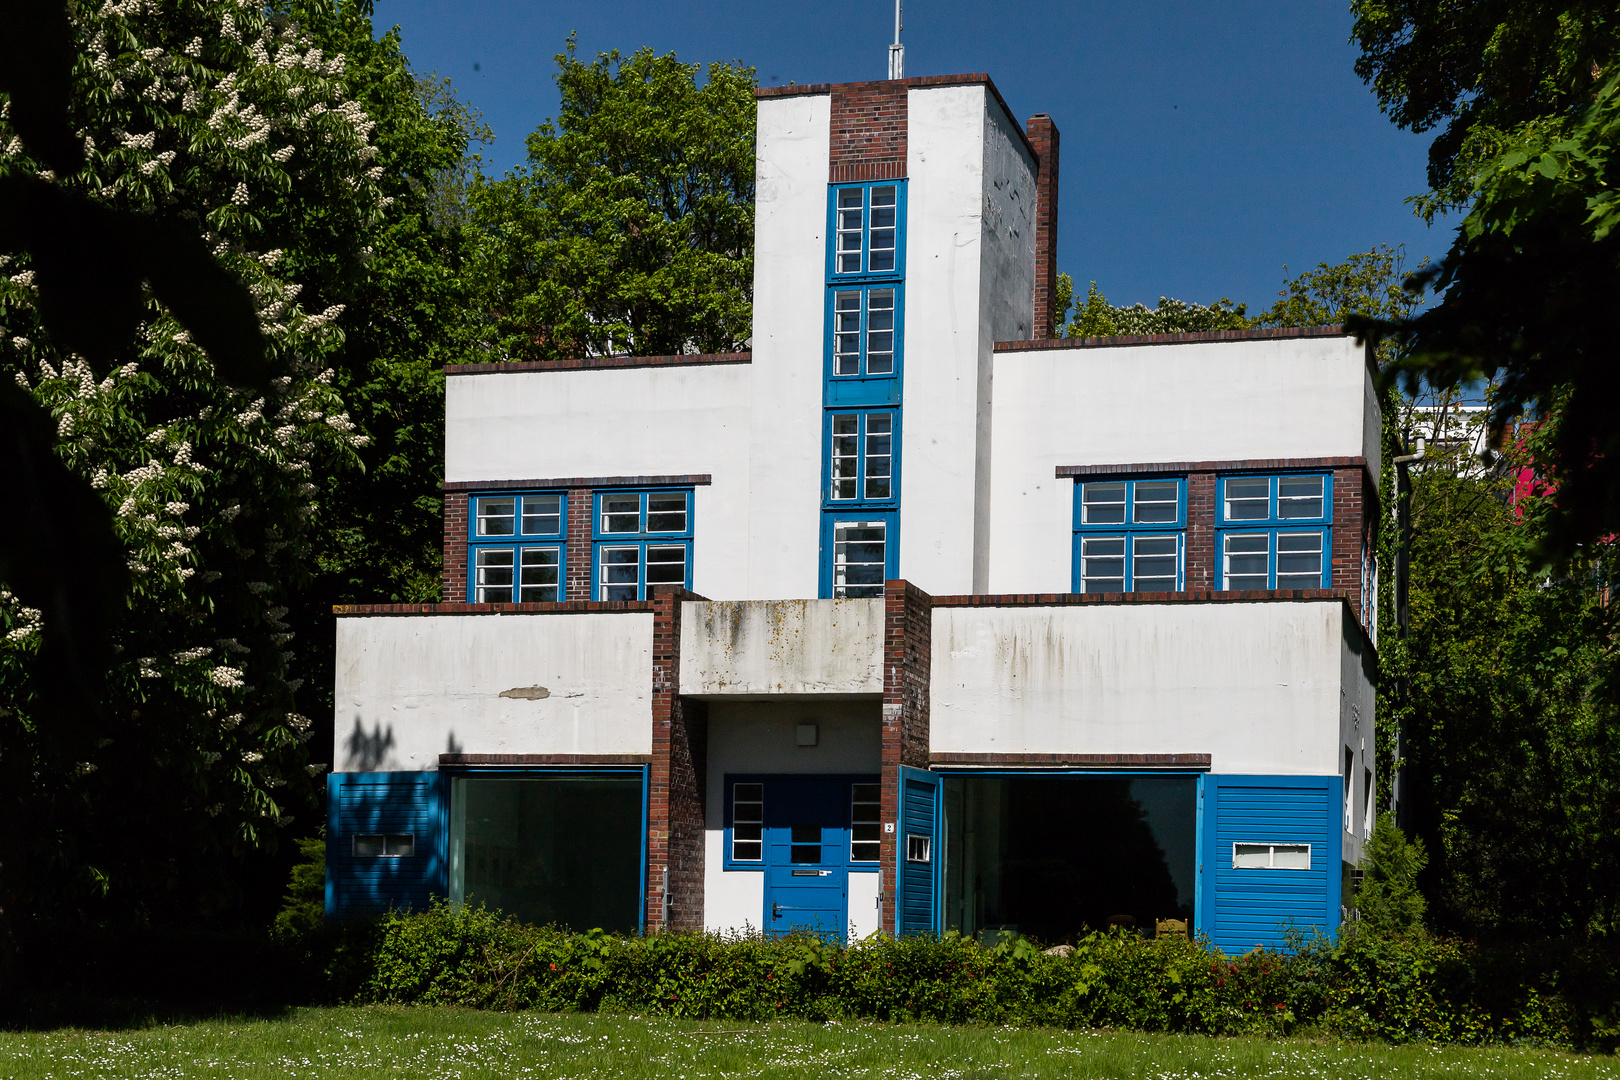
[[914, 618]]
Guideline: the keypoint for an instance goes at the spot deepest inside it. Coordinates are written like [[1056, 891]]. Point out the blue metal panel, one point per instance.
[[389, 803], [1252, 907], [916, 890]]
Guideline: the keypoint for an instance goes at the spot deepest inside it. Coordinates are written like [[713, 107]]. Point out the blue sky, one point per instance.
[[1206, 146]]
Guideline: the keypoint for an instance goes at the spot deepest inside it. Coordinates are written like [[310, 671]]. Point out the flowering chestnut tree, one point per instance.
[[221, 115]]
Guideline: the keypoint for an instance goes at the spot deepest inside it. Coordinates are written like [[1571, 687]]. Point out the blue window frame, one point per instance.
[[858, 838], [866, 230], [860, 549], [862, 464], [1274, 532], [1130, 535], [515, 547], [640, 538]]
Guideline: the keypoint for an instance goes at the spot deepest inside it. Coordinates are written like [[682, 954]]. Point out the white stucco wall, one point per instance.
[[759, 737], [1214, 401], [790, 237], [645, 421], [1358, 730], [409, 688], [1006, 296], [945, 163], [1255, 685], [754, 647]]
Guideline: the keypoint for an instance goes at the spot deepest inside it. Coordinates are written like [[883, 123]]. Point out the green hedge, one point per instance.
[[1397, 989]]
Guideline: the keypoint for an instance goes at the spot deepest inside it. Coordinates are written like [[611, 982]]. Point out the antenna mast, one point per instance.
[[897, 51]]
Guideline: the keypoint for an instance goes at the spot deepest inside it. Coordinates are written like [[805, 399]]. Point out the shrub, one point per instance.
[[1399, 988], [1389, 901]]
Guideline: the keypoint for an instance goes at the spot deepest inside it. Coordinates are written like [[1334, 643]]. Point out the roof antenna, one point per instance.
[[897, 51]]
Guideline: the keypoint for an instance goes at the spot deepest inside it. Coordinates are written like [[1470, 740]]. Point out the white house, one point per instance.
[[914, 618]]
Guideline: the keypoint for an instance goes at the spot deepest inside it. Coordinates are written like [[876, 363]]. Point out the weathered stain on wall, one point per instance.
[[752, 647]]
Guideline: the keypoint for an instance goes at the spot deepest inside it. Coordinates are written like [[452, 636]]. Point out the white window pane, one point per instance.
[[851, 196], [1248, 499], [539, 581], [1248, 561], [1299, 560], [666, 565], [1291, 856], [1251, 856], [858, 558], [496, 517], [1102, 564], [1299, 497], [492, 576], [542, 515], [1102, 504], [1156, 501], [1154, 563], [666, 511]]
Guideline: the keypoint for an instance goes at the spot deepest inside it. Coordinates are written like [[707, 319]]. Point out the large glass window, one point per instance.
[[1129, 535], [1273, 531], [864, 331], [509, 558], [861, 554], [563, 850], [1051, 856], [642, 539]]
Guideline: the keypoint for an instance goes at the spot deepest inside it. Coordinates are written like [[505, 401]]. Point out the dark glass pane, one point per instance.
[[850, 196], [621, 513], [563, 851], [747, 851], [666, 511], [542, 515], [805, 853]]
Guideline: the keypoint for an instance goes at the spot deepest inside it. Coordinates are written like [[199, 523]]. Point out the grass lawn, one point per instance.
[[425, 1044]]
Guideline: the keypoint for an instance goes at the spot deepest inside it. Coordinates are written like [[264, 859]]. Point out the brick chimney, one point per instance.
[[1043, 136]]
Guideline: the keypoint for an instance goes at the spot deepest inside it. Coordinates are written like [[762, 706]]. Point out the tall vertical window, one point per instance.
[[641, 539], [515, 550], [1274, 532], [747, 822], [865, 822], [865, 301], [1129, 535]]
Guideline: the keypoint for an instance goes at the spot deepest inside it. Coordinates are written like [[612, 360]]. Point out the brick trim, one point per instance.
[[601, 363], [1196, 596], [908, 634], [566, 607], [675, 812], [572, 482], [453, 568], [1078, 761], [472, 760], [867, 132], [579, 556], [1274, 334], [1236, 465]]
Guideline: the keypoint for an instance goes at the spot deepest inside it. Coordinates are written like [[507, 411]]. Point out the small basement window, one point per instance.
[[384, 845], [1271, 856]]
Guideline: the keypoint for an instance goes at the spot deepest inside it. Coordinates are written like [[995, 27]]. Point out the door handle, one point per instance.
[[776, 910]]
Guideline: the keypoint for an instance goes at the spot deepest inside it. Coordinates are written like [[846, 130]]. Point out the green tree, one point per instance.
[[225, 115], [1098, 318], [1389, 901], [631, 228], [1481, 72]]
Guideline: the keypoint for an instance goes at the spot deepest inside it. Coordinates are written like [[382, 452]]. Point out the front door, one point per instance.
[[806, 856]]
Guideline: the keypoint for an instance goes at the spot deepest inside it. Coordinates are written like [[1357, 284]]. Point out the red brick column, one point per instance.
[[908, 627], [453, 577], [676, 792], [577, 561], [1201, 553], [1349, 530], [1043, 136], [868, 137]]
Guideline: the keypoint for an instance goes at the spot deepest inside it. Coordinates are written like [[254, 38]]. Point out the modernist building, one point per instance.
[[913, 618]]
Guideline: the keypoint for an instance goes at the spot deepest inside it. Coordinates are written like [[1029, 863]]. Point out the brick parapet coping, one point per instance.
[[566, 607], [1274, 334], [600, 363], [1080, 761], [974, 78], [695, 479], [453, 760], [1149, 468]]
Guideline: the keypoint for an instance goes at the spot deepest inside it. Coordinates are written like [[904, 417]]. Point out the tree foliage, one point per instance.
[[1096, 317], [1389, 901], [1481, 71], [227, 116], [631, 227]]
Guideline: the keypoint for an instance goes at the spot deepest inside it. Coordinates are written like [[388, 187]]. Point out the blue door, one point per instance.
[[806, 856], [917, 873]]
